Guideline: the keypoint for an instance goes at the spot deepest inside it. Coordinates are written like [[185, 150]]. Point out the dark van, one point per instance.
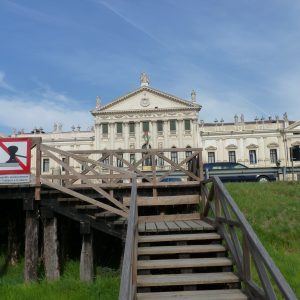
[[229, 171]]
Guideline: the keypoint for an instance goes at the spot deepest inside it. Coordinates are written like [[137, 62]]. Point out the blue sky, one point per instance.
[[56, 56]]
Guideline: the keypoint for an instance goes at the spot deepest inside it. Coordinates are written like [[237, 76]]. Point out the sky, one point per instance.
[[240, 56]]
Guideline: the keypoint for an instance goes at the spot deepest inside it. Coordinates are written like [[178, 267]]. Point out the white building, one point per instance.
[[148, 117]]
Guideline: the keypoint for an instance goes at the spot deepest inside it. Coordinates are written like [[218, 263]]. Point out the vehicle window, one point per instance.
[[217, 168], [239, 166]]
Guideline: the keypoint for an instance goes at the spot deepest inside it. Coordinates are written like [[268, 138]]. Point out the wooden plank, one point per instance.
[[164, 200], [205, 225], [151, 227], [180, 249], [186, 279], [172, 226], [164, 218], [182, 225], [194, 225], [184, 263], [230, 294], [178, 237], [142, 227], [161, 226]]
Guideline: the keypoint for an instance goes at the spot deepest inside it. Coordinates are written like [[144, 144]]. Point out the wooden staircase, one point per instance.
[[189, 265]]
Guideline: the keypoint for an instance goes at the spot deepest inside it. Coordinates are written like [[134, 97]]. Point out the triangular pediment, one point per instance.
[[147, 99]]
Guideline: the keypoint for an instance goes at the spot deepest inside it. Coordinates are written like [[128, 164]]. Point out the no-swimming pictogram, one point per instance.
[[15, 156]]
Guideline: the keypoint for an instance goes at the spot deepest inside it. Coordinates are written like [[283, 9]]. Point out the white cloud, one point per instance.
[[4, 84], [41, 108]]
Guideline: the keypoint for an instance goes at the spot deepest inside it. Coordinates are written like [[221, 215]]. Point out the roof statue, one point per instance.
[[98, 102], [193, 95], [242, 118], [144, 79], [285, 117]]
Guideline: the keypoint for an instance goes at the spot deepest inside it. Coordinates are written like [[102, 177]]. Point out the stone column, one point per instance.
[[180, 134], [126, 135], [112, 135]]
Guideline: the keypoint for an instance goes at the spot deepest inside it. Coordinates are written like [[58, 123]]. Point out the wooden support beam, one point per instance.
[[31, 245], [87, 272], [51, 260]]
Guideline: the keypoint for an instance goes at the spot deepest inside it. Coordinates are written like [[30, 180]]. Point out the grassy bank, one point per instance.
[[273, 210], [106, 286]]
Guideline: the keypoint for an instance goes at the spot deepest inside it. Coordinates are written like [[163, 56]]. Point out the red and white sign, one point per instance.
[[15, 156]]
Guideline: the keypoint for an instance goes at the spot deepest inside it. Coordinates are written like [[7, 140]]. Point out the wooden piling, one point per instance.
[[87, 258], [31, 245], [51, 259]]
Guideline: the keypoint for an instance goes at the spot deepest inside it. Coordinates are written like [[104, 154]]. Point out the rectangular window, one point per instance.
[[161, 161], [231, 156], [172, 125], [132, 158], [146, 126], [46, 165], [252, 157], [105, 128], [174, 157], [131, 128], [295, 153], [84, 166], [119, 128], [64, 160], [211, 157], [273, 156], [187, 125], [106, 159], [119, 161], [160, 126]]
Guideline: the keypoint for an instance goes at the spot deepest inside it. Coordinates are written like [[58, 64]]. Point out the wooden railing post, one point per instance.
[[38, 166]]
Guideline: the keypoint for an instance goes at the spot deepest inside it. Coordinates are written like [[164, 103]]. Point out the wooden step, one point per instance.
[[233, 294], [183, 263], [186, 279], [178, 237], [174, 226], [175, 217], [180, 249]]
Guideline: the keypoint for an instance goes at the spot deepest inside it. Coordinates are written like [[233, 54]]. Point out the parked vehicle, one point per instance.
[[171, 179], [228, 171]]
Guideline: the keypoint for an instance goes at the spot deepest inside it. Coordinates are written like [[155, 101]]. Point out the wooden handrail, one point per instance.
[[128, 276], [228, 218]]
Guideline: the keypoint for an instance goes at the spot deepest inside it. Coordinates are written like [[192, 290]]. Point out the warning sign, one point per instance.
[[15, 156]]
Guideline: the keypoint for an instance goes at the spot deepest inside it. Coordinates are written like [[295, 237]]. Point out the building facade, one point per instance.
[[149, 118]]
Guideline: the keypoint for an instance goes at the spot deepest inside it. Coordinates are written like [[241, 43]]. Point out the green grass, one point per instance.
[[273, 210], [105, 287]]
